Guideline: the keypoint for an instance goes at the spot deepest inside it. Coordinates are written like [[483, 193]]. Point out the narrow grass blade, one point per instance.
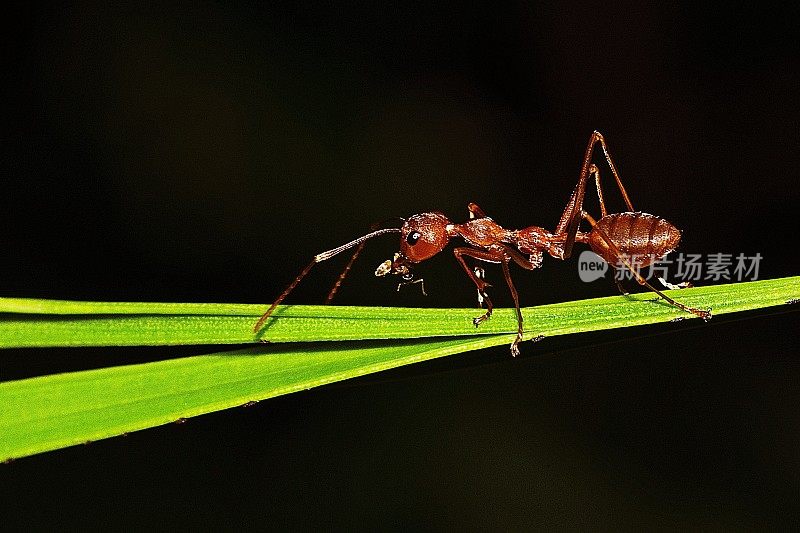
[[43, 323]]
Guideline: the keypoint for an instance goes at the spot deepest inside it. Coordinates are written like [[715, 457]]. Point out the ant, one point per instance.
[[620, 239]]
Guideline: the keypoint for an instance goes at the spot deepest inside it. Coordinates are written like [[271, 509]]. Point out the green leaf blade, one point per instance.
[[51, 412], [156, 324]]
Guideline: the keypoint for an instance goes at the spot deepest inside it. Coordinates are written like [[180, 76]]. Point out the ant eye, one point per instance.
[[413, 237]]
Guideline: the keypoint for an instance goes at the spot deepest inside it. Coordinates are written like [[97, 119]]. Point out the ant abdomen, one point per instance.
[[641, 238]]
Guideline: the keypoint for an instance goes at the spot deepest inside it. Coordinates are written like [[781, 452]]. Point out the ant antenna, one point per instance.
[[319, 258], [346, 271]]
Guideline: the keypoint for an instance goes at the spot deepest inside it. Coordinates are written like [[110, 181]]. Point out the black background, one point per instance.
[[203, 152]]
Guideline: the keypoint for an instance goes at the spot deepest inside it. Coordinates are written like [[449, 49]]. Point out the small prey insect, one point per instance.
[[621, 239]]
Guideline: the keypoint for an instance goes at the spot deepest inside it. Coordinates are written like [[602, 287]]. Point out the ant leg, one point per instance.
[[521, 260], [675, 286], [480, 284], [475, 211], [572, 215], [518, 339], [575, 204], [704, 314], [598, 137], [566, 232], [510, 254], [593, 170], [480, 273], [494, 256], [618, 282], [413, 282]]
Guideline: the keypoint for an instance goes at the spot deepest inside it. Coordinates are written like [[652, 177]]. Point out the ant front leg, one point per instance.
[[480, 283], [480, 273]]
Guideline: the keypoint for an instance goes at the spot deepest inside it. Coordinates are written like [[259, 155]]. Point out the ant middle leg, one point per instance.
[[518, 338], [499, 255], [476, 273]]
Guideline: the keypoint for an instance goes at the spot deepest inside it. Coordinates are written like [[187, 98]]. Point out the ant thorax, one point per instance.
[[482, 232]]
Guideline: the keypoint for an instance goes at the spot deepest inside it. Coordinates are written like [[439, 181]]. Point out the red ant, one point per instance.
[[619, 238]]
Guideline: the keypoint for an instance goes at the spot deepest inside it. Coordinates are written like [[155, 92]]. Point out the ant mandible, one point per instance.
[[621, 239]]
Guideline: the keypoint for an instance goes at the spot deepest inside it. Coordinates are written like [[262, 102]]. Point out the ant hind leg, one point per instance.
[[618, 282]]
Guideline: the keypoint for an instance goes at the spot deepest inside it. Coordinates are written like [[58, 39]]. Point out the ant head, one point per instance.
[[421, 237]]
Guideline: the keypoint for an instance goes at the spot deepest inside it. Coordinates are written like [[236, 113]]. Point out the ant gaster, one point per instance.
[[621, 239]]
